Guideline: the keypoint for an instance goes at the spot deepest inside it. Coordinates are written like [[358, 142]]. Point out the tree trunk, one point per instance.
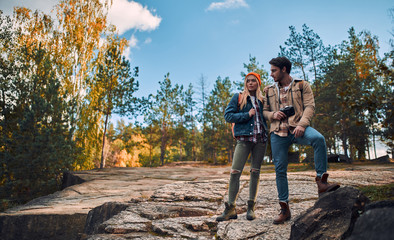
[[150, 156], [317, 92], [102, 163], [302, 65], [150, 147], [344, 144], [335, 146], [163, 144], [230, 157], [392, 153], [314, 67], [368, 151], [180, 150], [374, 144], [194, 145]]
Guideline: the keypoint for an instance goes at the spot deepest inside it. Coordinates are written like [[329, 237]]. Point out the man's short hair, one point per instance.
[[281, 62]]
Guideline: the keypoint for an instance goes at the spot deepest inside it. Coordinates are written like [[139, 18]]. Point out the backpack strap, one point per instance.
[[239, 98], [268, 99], [266, 94], [301, 86]]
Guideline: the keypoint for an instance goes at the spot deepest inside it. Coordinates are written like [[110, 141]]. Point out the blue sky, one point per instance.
[[190, 38], [191, 41]]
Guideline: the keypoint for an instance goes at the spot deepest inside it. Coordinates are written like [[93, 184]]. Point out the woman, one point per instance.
[[245, 110]]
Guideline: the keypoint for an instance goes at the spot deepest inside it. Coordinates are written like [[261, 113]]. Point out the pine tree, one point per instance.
[[39, 147], [218, 132], [114, 85]]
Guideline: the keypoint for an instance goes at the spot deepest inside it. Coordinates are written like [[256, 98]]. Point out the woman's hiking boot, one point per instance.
[[250, 213], [229, 213], [323, 186], [284, 214]]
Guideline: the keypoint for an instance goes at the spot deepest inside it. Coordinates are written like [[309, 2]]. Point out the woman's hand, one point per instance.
[[252, 112]]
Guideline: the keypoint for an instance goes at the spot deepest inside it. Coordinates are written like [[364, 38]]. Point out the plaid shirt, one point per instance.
[[284, 127], [259, 134]]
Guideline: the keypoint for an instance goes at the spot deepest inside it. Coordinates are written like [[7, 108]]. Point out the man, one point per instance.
[[292, 126]]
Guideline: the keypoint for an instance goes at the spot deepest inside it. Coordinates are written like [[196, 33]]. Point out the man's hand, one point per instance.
[[252, 112], [299, 131], [279, 115]]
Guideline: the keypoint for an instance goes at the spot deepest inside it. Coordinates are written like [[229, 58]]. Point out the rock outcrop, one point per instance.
[[332, 216], [168, 203], [41, 226], [345, 214], [376, 222], [101, 214]]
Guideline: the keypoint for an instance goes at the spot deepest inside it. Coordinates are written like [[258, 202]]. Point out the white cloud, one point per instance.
[[127, 15], [45, 6], [227, 4], [133, 41], [123, 14], [127, 53], [148, 40]]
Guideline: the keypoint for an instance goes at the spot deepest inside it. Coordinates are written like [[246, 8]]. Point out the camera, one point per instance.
[[288, 110]]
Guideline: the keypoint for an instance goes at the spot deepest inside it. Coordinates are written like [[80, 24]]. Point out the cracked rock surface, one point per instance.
[[187, 209], [177, 202]]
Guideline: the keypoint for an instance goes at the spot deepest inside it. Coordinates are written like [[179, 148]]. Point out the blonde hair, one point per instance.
[[245, 93]]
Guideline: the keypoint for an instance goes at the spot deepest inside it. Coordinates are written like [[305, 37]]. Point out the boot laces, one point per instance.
[[283, 211]]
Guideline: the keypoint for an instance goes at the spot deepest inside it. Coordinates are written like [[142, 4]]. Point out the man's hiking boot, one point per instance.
[[323, 186], [284, 214], [229, 213]]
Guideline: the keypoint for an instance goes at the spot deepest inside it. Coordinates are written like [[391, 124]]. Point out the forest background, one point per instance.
[[64, 76]]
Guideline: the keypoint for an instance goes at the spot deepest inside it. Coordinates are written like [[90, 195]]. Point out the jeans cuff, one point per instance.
[[320, 174]]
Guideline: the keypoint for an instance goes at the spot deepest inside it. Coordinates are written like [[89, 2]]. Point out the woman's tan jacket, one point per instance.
[[302, 101]]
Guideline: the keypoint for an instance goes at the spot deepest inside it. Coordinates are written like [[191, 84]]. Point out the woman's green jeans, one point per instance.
[[241, 154]]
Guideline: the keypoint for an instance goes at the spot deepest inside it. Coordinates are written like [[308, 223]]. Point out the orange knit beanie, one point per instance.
[[254, 74]]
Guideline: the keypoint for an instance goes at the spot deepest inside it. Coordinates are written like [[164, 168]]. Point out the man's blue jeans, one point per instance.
[[280, 147]]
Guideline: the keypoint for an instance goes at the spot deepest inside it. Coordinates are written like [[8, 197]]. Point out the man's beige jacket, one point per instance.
[[304, 105]]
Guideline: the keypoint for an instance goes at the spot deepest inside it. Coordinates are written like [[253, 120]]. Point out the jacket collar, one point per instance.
[[290, 85], [277, 84]]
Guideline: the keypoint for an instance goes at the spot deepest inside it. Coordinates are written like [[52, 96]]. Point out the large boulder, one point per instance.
[[70, 179], [382, 159], [376, 222], [332, 217], [41, 226], [102, 213]]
